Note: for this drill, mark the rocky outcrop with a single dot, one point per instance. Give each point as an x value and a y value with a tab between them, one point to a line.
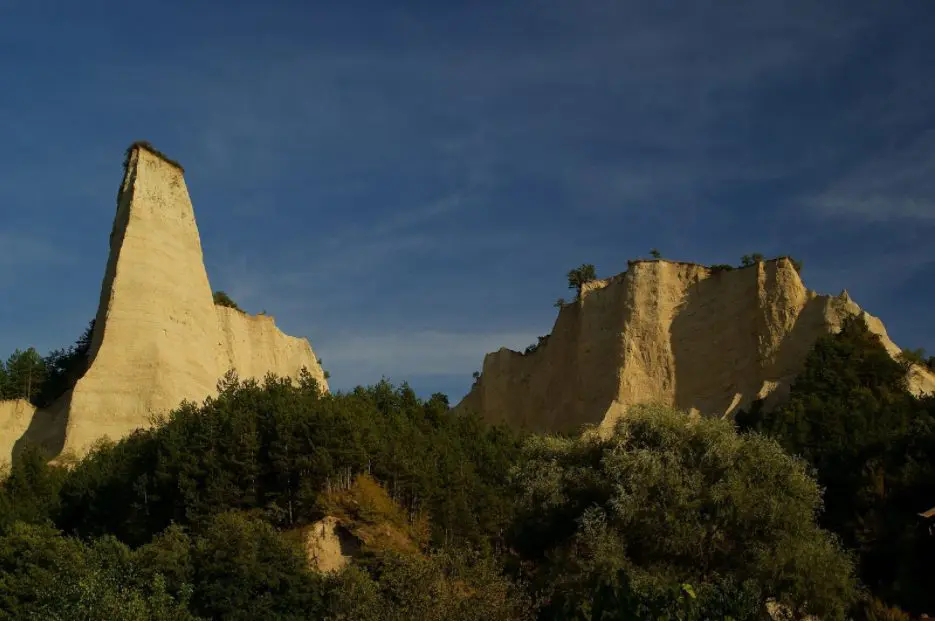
329	546
158	337
681	334
15	417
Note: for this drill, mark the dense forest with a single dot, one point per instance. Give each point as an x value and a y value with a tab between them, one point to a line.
812	509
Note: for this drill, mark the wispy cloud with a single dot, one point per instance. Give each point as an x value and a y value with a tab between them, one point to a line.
363	358
430	172
29	250
894	184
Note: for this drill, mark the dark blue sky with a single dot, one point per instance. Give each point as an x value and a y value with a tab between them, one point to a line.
407	183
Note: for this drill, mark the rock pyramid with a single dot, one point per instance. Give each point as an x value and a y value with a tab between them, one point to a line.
681	334
158	337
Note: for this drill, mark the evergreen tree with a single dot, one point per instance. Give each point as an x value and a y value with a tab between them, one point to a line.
580	275
25	374
872	445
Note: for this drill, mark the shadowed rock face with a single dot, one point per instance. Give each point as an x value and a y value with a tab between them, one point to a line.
158	337
673	333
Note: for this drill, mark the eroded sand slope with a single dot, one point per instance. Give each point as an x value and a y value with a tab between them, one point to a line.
159	339
667	332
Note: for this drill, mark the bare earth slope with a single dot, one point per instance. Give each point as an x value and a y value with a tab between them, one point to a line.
159	339
675	333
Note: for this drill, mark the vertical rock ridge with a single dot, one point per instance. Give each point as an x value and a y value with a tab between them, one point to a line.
158	337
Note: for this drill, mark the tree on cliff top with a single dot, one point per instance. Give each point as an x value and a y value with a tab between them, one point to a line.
23	376
222	299
580	275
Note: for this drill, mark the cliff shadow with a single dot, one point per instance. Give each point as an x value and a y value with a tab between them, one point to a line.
714	341
810	325
47	428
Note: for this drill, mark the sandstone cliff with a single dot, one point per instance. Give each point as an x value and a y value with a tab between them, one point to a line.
158	338
674	333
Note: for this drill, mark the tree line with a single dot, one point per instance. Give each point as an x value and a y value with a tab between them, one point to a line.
813	507
871	445
41	379
190	519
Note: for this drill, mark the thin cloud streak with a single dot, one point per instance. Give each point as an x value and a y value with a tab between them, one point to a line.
899	183
363	358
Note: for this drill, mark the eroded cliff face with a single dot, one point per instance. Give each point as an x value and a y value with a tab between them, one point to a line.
674	333
159	339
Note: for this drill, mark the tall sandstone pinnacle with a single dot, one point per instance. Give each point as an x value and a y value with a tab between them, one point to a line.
158	337
681	334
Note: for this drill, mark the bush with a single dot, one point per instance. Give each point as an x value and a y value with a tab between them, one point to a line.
222	299
581	275
665	501
872	445
915	356
46	576
453	585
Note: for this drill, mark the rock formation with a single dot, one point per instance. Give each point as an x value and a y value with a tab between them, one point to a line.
329	547
158	338
681	334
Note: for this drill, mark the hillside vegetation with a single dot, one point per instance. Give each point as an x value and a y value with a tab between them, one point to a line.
812	507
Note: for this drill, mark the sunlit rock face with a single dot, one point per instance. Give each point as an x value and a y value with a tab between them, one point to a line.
703	340
158	338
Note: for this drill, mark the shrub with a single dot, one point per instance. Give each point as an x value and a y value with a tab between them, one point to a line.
582	274
222	299
914	356
665	501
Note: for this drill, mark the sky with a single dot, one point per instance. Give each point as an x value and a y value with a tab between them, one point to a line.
407	183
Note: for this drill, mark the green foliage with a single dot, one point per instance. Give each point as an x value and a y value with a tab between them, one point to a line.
243	569
535	346
669	517
24	373
917	356
721	267
222	299
455	585
749	260
654	253
27	375
46	576
64	367
559	303
666	501
580	275
274	448
29	492
875	610
872	445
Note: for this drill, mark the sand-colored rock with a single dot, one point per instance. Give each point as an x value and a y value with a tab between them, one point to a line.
15	417
328	545
159	339
680	334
